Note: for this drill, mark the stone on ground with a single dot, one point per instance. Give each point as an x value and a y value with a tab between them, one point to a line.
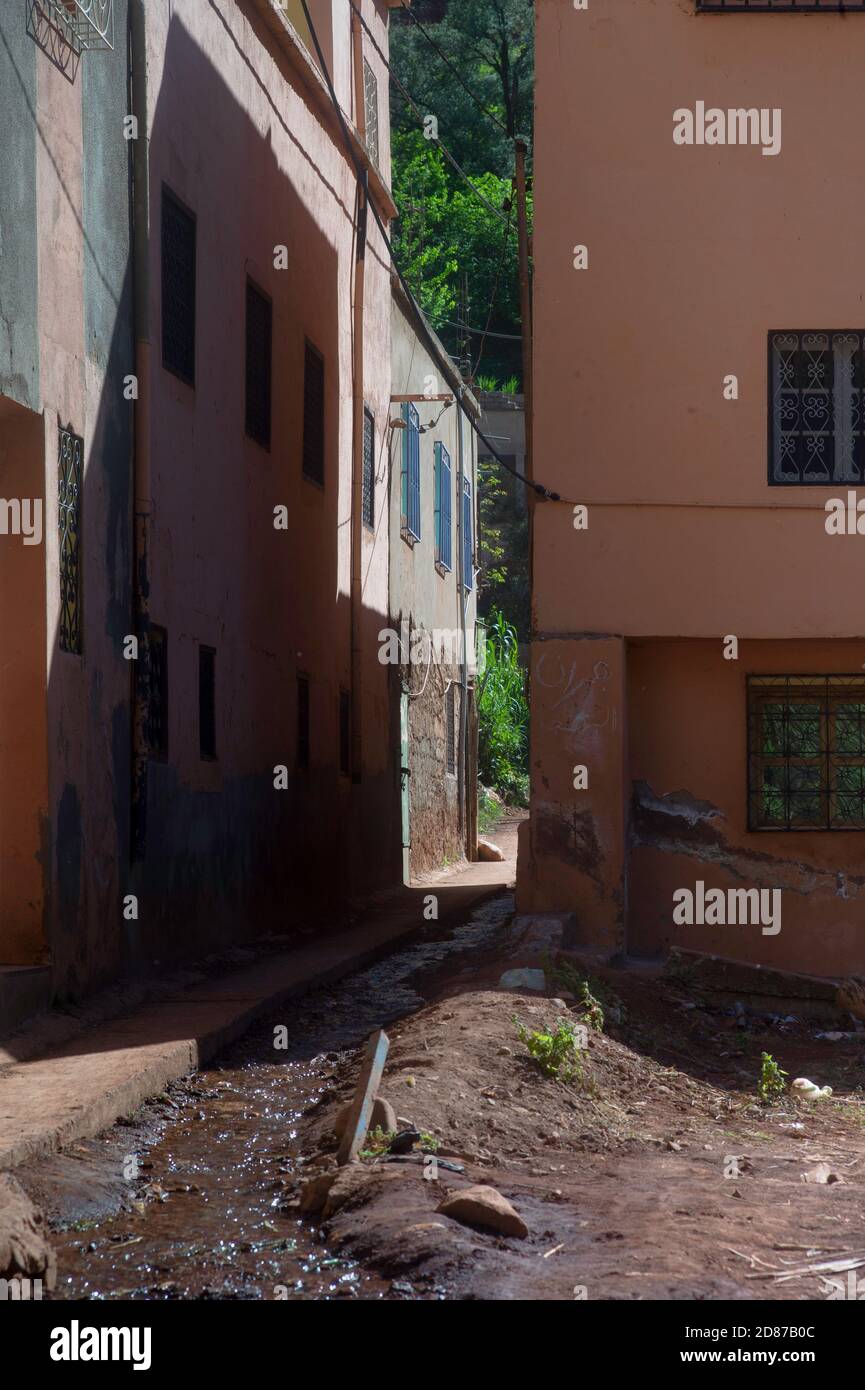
484	1206
24	1248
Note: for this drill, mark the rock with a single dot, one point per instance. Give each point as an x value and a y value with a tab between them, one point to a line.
383	1117
822	1174
808	1091
314	1193
488	852
483	1206
24	1249
523	979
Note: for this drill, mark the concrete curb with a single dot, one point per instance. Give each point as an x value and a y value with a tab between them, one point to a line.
76	1090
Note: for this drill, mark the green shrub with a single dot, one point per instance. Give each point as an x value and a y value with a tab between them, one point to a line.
772	1085
555	1052
503	715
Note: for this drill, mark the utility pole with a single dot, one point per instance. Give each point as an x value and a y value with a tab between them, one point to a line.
521	149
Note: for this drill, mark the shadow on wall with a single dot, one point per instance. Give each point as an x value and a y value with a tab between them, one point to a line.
225	856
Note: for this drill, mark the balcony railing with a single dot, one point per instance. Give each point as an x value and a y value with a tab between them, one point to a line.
781	6
84	24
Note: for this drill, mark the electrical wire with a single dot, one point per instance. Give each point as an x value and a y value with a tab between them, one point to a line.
455	70
420	322
409	100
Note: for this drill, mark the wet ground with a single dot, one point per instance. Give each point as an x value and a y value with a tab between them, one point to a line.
187	1199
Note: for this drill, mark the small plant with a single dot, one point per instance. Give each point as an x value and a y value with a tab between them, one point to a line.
772	1085
378	1140
428	1144
592	1010
556	1052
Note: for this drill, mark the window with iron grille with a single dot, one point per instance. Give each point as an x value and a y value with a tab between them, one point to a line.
207	702
69	466
780	6
370	94
410	473
303	722
450	729
157	692
443	528
344	733
468	547
313	415
368	469
816	424
178	288
806	753
259	349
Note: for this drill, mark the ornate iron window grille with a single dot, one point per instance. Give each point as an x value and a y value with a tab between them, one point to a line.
780	6
806	752
816	407
370	96
368	469
69	474
259	352
86	25
313	415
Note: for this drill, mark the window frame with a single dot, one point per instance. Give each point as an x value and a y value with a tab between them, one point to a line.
254	291
832	334
443	472
811	689
410	486
211	754
371	101
70	563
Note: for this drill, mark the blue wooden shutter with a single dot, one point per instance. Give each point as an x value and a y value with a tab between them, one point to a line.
468	578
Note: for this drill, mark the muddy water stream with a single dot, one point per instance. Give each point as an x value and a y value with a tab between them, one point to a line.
201	1175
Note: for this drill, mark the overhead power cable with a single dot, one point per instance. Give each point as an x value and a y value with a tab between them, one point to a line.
455	70
409	100
423	328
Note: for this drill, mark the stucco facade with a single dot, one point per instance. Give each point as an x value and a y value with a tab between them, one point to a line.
186	769
433	600
667	276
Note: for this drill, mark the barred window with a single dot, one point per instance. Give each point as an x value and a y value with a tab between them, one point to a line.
806	753
410	473
443	527
781	6
69	465
368	469
157	692
370	95
344	733
450	729
817	431
313	415
207	702
303	722
259	347
178	288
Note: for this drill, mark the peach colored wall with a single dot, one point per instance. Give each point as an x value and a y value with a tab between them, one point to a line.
694	255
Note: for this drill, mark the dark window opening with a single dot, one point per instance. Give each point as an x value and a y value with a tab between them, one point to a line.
178	288
207	702
313	415
368	469
816	407
806	753
69	478
259	353
303	722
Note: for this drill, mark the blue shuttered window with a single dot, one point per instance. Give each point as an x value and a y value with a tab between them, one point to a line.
411	471
443	506
468	577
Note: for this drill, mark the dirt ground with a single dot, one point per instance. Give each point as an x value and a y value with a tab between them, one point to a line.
621	1180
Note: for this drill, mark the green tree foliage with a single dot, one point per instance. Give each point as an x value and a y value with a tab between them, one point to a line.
503	540
503	715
